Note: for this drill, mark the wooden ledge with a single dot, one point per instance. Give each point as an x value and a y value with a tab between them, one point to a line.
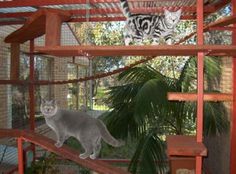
35	25
176	96
133	50
64	151
182	145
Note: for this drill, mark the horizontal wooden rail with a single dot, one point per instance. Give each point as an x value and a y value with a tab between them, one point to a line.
137	50
64	151
193	96
182	145
219	23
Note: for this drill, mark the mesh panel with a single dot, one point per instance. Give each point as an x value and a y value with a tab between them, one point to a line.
14	109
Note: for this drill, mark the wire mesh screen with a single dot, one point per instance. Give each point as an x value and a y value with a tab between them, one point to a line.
15	103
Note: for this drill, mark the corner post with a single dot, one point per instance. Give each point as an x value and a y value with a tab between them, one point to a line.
233	114
200	82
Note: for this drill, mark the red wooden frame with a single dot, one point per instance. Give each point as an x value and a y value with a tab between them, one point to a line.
174	96
190	10
200	82
233	115
64	151
198	50
146	50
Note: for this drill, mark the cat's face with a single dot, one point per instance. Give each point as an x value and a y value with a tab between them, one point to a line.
48	108
172	18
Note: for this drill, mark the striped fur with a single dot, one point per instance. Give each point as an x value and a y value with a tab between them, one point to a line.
144	26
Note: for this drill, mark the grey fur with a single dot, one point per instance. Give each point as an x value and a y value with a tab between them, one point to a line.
86	129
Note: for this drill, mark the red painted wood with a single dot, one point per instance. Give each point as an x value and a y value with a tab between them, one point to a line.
36	3
222	22
15	61
200	82
182	145
53	29
146	50
233	115
35	25
64	151
105	11
223	28
219	23
20	22
193	97
20	156
32	88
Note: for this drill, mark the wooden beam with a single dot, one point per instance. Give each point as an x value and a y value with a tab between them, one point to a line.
233	106
36	3
112	10
182	145
15	61
64	151
219	23
20	156
222	22
146	50
35	25
53	30
176	96
200	82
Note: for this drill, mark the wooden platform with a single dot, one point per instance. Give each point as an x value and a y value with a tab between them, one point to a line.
64	151
181	145
175	96
146	50
43	21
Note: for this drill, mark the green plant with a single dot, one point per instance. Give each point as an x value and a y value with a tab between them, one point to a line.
44	165
140	108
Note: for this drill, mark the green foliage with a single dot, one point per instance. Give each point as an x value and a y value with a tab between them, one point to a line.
146	158
44	165
140	108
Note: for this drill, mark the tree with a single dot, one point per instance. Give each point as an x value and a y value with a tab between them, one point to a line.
103	33
140	109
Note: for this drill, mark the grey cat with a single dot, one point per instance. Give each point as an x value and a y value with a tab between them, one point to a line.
87	130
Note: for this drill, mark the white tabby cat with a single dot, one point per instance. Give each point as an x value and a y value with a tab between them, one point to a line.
87	130
145	26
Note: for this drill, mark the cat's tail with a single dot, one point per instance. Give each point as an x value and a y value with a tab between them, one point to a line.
125	8
107	137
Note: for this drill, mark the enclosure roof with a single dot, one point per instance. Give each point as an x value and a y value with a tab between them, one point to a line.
17	11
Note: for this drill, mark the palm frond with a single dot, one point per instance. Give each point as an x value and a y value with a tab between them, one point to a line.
151	98
215	118
139	74
149	155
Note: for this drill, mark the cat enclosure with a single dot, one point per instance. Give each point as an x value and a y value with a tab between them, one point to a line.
48	18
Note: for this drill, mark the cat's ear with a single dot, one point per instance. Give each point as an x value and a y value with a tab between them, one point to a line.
179	11
166	12
43	101
54	102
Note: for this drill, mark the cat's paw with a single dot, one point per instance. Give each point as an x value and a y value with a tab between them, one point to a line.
155	43
58	144
93	156
83	156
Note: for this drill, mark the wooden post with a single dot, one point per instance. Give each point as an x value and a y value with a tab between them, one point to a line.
200	82
233	115
53	29
20	156
31	93
32	88
15	61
